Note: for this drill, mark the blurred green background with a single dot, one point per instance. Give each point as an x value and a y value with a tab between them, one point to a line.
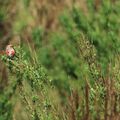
74	41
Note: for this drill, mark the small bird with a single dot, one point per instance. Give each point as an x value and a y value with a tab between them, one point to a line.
10	51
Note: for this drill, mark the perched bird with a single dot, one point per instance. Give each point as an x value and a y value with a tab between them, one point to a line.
10	51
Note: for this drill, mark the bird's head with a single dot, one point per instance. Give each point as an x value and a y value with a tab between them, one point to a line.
10	52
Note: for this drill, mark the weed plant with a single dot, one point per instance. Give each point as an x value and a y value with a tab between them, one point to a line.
70	74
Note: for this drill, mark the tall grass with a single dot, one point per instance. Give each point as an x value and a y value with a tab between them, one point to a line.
71	73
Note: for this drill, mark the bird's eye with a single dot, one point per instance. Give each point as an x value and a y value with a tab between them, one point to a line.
7	52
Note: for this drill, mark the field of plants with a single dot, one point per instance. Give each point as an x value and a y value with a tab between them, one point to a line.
66	64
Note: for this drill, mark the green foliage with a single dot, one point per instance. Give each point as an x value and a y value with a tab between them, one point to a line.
81	59
37	35
35	78
101	27
26	3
